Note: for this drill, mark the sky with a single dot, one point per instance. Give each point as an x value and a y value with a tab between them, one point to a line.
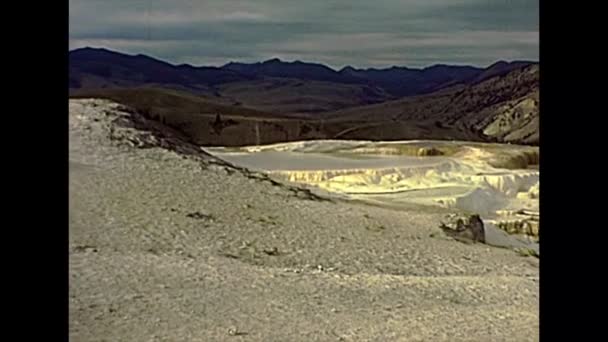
360	33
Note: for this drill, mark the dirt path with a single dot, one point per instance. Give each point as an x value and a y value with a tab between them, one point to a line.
167	247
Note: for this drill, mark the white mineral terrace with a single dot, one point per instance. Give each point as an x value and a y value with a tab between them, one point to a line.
498	182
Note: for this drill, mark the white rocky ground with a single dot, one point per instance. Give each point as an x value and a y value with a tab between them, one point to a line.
169	244
476	178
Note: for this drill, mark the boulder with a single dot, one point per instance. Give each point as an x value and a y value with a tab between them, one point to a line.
464	227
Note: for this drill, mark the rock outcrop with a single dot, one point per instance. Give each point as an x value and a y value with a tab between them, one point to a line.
521	222
464	227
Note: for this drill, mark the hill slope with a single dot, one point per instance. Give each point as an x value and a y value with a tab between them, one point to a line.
501	108
197	117
295	96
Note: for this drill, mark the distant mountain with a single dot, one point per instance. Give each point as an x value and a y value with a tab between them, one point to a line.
109	69
401	81
299	70
398	81
503	107
274	85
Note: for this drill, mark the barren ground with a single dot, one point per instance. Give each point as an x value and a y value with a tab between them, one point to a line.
172	247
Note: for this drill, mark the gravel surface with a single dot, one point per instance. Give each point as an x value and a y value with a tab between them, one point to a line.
180	246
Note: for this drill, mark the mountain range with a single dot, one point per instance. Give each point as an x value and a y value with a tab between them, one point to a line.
496	103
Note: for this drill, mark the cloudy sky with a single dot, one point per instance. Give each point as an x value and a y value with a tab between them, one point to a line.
361	33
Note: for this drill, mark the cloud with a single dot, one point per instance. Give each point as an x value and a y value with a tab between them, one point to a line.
356	32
